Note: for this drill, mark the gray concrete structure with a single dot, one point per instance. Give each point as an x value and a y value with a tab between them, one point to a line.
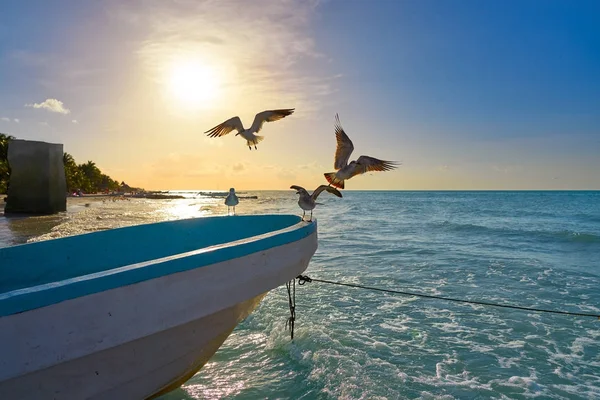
37	182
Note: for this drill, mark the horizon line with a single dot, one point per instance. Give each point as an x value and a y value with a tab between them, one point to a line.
387	190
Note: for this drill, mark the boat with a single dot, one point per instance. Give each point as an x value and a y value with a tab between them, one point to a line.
134	312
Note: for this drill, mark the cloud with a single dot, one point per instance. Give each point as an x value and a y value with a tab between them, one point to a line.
17	120
273	59
5	119
238	167
505	169
30	59
53	105
212	141
286	174
183	165
44	123
311	166
74	121
83	70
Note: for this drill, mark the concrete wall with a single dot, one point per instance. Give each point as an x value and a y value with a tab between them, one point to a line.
37	182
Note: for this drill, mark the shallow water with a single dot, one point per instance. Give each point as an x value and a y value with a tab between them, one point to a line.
534	249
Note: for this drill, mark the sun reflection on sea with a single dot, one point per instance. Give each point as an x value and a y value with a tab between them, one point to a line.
102	214
89	214
180	210
230	386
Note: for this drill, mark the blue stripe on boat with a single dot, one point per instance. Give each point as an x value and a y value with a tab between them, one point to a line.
39	274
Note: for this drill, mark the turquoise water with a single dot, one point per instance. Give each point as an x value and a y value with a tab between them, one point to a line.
534	249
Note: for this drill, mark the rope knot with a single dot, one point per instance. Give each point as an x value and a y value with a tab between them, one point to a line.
302	279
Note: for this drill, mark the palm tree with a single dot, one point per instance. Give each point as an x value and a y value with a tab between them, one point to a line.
86	177
107	183
4	167
91	177
68	159
4	138
72	175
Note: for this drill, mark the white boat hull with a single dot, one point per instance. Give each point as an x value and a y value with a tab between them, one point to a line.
140	340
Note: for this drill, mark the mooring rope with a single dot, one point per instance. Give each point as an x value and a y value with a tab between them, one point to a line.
291	289
302	279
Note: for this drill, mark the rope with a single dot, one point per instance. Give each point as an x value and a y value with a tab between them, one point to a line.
291	289
302	279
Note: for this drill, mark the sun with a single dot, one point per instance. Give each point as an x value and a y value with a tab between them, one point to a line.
193	84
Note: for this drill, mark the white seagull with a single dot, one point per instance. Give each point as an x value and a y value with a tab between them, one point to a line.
249	134
308	202
231	200
345	170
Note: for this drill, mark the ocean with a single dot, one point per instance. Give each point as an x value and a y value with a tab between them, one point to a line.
531	249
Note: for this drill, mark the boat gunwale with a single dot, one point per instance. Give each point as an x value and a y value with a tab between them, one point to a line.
32	297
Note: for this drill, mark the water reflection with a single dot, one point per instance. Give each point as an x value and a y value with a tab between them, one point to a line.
18	229
89	214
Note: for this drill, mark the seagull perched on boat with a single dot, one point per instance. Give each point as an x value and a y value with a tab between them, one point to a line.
308	202
231	200
249	134
347	170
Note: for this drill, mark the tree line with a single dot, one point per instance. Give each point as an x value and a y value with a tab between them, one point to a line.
86	177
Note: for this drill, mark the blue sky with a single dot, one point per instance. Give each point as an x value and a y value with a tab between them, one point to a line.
466	94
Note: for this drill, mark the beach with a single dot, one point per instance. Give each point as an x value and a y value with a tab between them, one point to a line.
533	249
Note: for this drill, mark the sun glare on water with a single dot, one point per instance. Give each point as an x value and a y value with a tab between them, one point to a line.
193	84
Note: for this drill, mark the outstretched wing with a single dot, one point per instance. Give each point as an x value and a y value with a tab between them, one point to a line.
368	164
344	146
226	127
269	116
330	189
299	189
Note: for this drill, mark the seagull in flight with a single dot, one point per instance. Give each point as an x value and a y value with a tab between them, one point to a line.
308	202
249	134
345	170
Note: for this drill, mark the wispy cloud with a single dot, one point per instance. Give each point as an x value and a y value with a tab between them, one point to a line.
17	120
286	174
262	49
238	167
6	119
74	121
212	142
312	165
53	105
83	70
30	59
181	165
505	169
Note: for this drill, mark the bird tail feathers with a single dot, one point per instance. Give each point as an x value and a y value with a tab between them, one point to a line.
255	140
330	176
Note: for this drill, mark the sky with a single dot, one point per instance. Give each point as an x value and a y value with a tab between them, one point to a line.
467	95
